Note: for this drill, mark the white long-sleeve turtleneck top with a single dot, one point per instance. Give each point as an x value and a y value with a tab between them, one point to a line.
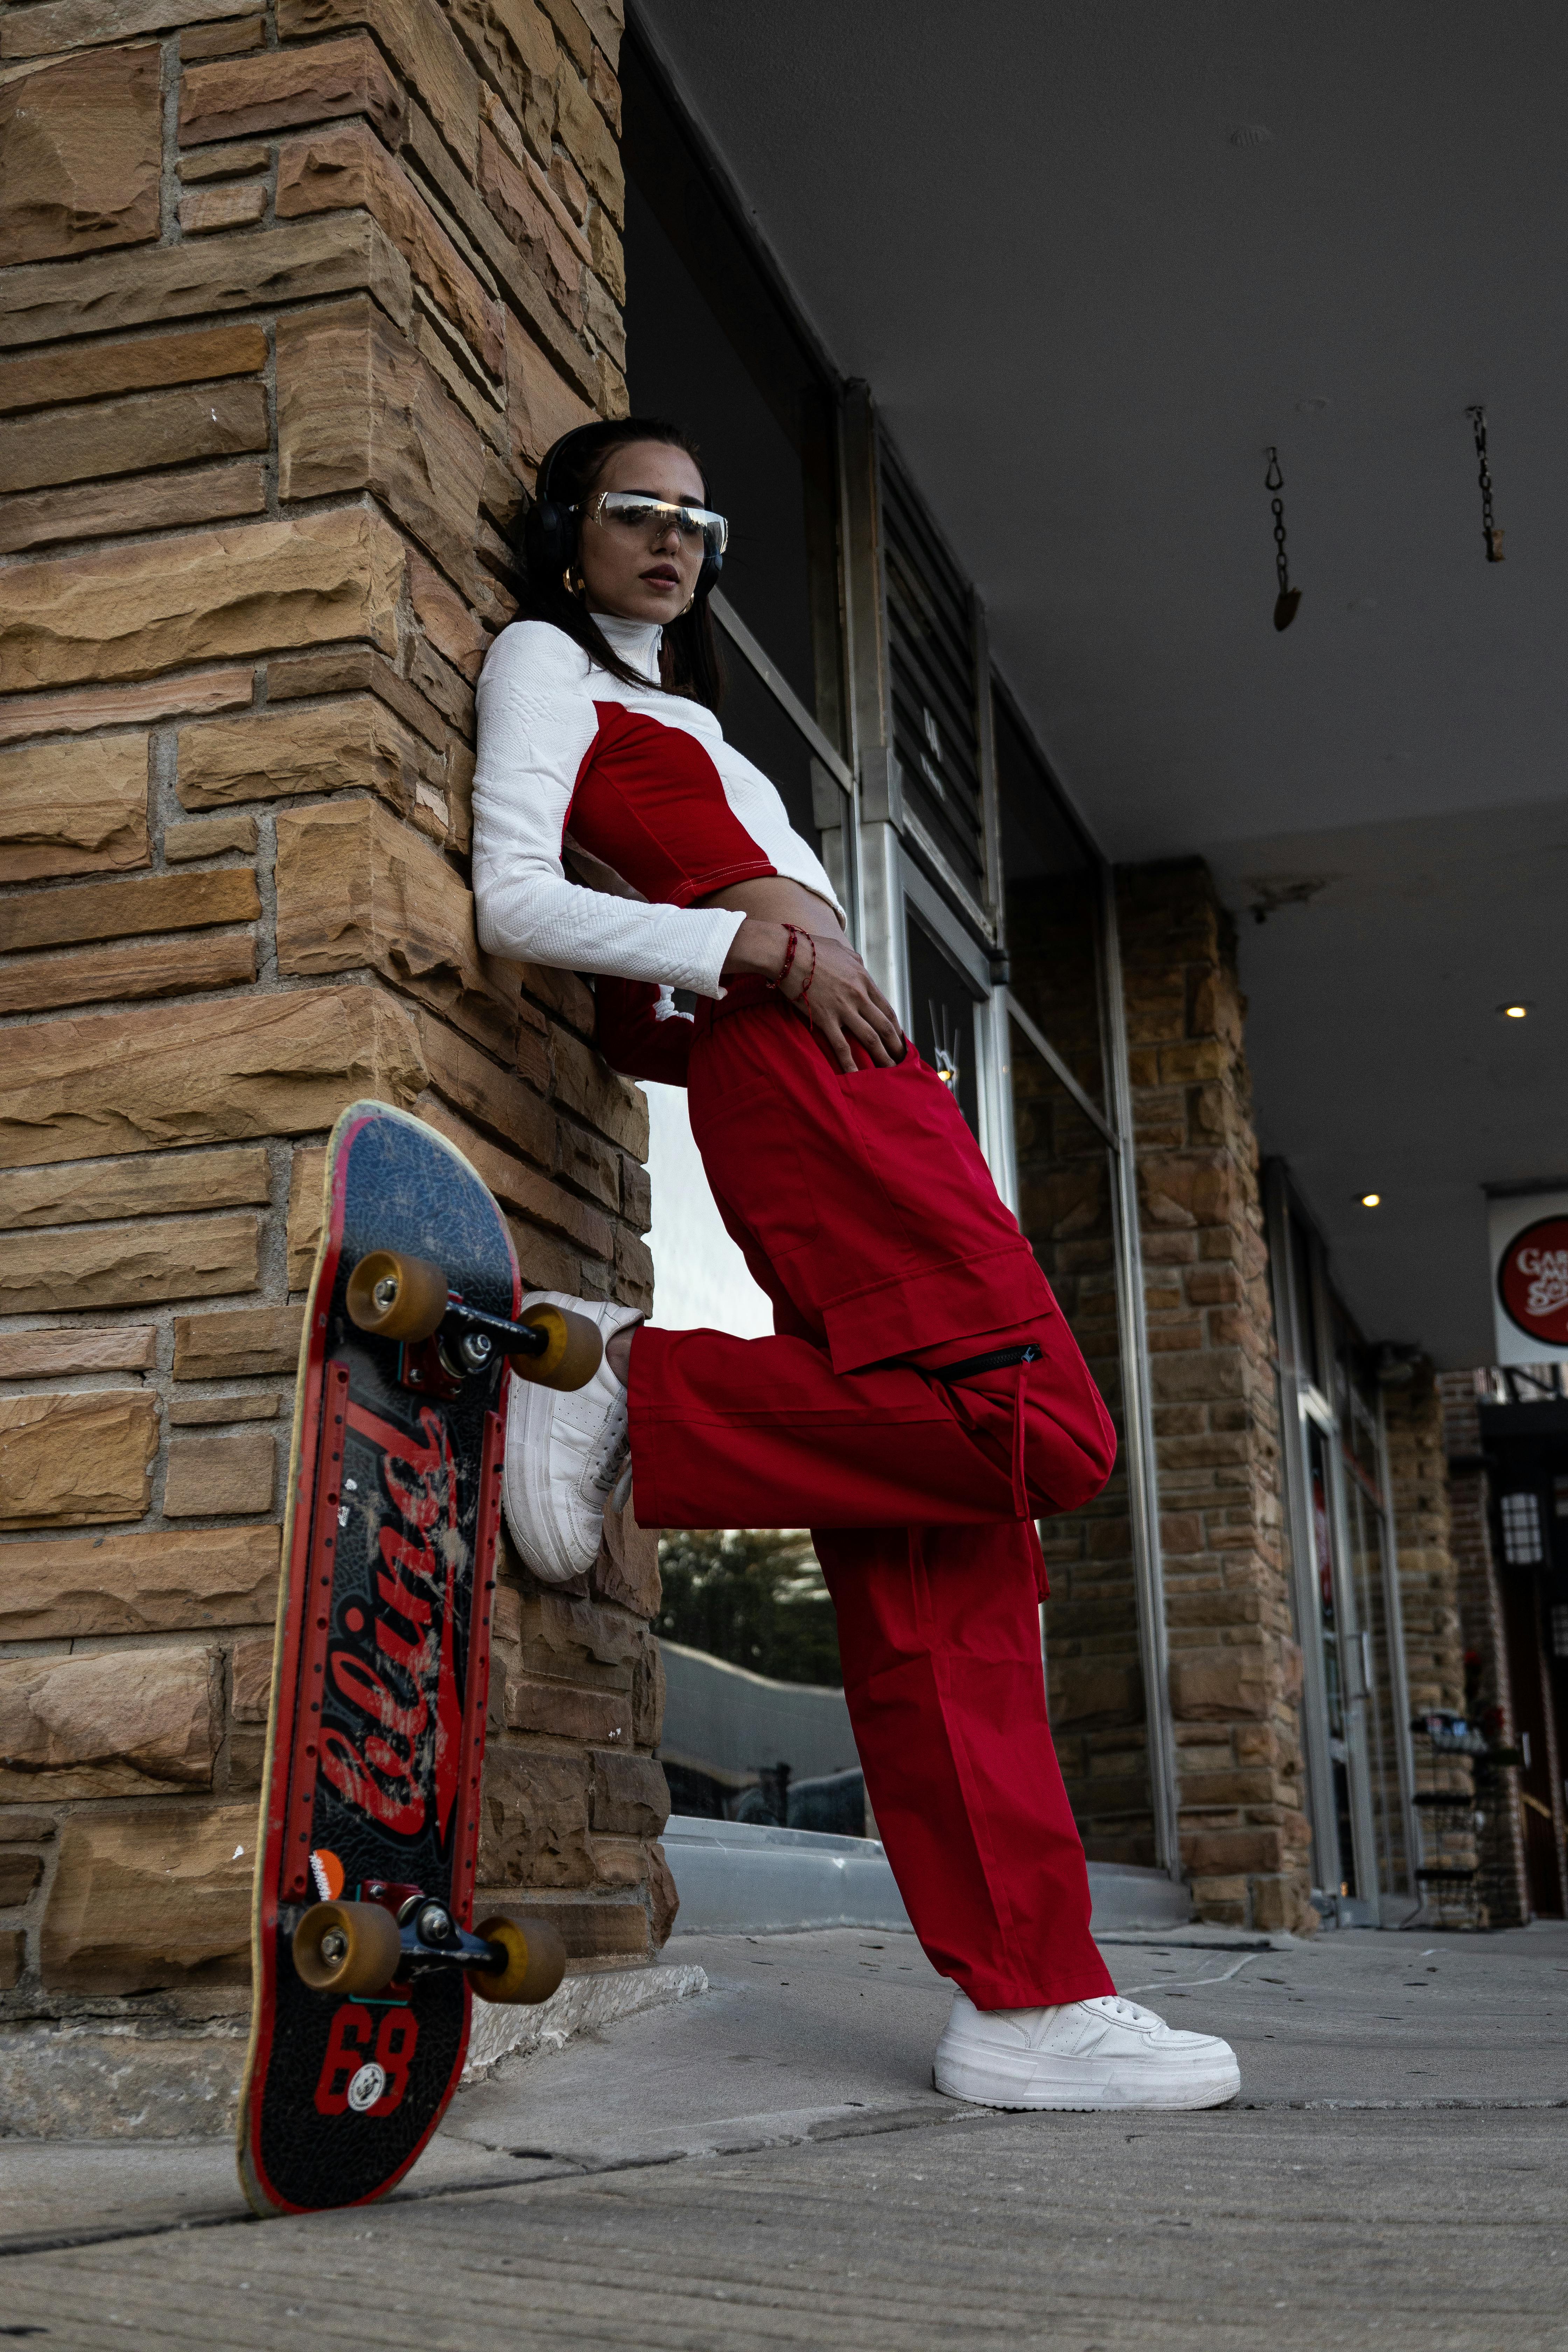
649	786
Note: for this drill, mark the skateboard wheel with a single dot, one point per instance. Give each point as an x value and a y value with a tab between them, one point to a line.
396	1298
536	1960
574	1354
347	1948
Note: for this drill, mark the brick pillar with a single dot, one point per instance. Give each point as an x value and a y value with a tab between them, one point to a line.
1489	1695
290	302
1429	1596
1236	1669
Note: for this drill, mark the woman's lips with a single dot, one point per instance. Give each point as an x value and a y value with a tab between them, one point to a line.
662	576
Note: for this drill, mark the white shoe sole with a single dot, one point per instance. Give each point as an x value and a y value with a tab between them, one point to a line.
996	2079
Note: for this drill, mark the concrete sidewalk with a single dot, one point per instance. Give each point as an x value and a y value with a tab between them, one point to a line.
768	2165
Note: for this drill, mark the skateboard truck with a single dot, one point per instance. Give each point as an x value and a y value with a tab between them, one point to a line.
444	1341
361	1947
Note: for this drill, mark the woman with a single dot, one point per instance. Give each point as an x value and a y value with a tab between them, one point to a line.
922	1400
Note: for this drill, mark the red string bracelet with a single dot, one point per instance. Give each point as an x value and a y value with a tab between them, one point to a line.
806	991
783	970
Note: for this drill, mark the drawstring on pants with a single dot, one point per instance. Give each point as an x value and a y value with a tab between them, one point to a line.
1002	1359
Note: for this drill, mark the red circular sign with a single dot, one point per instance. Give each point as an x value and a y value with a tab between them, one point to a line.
1533	1281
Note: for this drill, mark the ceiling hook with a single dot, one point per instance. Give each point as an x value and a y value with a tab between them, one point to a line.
1273	479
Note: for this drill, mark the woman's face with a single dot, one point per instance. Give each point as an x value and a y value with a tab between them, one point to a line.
647	574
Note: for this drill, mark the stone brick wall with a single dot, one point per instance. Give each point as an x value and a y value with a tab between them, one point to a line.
1235	1674
1429	1602
291	299
1094	1671
1489	1696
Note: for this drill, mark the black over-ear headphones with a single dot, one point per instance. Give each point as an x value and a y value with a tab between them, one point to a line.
550	530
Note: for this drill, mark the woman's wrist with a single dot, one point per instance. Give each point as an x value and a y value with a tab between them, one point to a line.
757	947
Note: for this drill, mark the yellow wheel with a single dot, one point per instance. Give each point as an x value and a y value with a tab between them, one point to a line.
396	1298
573	1355
347	1948
535	1964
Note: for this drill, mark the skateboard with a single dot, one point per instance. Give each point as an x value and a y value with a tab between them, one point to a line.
362	1952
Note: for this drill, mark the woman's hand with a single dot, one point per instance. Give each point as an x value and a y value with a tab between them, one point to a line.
846	1002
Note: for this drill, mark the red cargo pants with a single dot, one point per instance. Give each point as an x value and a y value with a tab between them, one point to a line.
865	1211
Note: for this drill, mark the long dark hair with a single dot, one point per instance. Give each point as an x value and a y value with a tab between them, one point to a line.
691	661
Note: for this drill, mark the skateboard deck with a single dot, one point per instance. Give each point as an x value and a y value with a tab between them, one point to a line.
362	1952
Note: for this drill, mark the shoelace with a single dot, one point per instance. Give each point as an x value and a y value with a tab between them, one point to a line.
608	1458
1126	2013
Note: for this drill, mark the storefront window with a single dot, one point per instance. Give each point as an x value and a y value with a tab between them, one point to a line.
1067	1206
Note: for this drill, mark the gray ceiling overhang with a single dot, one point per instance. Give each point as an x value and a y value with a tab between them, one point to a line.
1092	259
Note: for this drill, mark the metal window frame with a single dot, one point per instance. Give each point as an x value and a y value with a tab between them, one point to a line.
1143	1468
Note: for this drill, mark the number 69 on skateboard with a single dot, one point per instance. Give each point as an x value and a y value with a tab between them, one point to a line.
365	1959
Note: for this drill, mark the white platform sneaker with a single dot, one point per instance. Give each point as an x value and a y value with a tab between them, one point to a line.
566	1450
1105	2052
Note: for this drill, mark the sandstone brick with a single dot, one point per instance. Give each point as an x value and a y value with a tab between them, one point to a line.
209	1477
87	707
587	139
13	1957
647	1693
357	887
140	1582
664	1901
348	166
533	1818
153	502
499	1100
71	1459
618	1861
199	596
19	1874
130	1264
250	1678
1218	1684
248	1404
73	808
357	409
538	224
426	50
358	669
108	910
85	24
139	363
517	46
617	1107
356	742
140	1187
565	1711
446	619
227	1344
209	838
611	1928
52	1354
478	224
227	161
151	1897
82	139
626	1571
286	85
298	261
238	205
212	1072
103	975
539	404
88	1726
631	1798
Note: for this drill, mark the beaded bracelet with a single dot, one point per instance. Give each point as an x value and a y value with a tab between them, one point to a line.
783	970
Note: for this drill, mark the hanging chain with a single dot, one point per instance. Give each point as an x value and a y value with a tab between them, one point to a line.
1285	604
1490	530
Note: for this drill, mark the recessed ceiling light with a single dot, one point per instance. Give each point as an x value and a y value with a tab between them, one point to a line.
1370	1200
1513	1011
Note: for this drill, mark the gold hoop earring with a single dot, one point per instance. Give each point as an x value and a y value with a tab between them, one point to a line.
573	586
